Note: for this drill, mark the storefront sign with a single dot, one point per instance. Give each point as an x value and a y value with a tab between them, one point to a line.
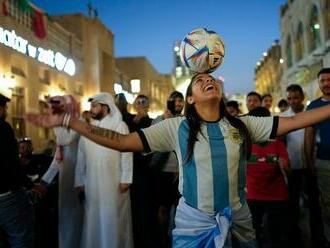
47	56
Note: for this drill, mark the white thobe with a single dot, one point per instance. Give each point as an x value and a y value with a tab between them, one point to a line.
70	211
107	221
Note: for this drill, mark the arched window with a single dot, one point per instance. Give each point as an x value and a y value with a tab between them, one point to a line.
314	36
288	52
327	18
299	42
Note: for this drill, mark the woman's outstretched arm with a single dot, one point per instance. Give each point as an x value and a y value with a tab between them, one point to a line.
105	137
303	119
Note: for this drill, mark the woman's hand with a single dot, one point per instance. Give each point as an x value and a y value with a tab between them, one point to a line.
46	120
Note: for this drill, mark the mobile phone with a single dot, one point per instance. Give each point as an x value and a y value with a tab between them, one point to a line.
171	106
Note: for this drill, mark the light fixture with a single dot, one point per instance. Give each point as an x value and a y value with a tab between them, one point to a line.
118	88
135	85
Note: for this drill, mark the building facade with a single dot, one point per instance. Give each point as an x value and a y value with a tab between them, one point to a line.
181	72
268	73
71	54
151	83
98	67
305	43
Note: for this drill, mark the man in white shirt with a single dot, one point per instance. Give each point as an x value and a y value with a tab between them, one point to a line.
301	179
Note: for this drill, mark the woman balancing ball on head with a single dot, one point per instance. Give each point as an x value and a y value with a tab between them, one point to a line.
212	148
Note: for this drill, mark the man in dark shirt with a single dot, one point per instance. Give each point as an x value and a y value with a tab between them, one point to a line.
317	144
16	216
144	207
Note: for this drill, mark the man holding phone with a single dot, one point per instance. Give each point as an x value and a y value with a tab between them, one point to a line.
144	211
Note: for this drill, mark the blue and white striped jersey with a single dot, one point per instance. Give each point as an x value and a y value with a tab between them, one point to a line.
215	176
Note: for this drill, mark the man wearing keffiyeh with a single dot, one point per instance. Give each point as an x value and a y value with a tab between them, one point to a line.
70	210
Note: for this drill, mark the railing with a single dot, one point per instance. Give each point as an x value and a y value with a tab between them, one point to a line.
57	36
21	17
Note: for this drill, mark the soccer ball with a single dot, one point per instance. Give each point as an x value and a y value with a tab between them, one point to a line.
202	51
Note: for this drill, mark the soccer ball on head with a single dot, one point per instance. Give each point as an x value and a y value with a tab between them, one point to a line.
202	50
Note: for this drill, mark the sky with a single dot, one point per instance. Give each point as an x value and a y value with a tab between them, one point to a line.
150	27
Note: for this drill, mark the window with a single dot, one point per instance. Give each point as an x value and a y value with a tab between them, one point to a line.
17	110
23	17
79	89
17	71
44	132
327	18
299	43
314	36
288	52
44	76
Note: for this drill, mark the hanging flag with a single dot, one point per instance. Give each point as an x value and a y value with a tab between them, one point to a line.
24	6
5	11
38	24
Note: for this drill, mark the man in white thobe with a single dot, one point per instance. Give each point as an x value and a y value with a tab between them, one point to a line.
70	211
106	175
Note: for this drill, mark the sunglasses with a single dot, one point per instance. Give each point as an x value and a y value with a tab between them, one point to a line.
142	101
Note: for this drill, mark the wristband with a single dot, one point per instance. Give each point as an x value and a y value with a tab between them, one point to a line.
66	120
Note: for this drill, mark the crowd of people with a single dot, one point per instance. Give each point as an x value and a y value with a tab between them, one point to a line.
208	177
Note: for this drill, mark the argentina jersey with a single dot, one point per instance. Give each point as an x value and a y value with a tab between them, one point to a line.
214	177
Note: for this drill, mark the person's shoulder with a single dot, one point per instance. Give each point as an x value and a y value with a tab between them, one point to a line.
244	116
5	126
178	119
159	118
315	103
174	121
122	127
286	113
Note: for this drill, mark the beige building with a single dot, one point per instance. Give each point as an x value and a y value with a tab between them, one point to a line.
98	67
180	71
151	83
75	57
305	43
268	73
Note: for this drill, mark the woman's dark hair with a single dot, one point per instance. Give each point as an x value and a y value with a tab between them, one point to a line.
195	121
